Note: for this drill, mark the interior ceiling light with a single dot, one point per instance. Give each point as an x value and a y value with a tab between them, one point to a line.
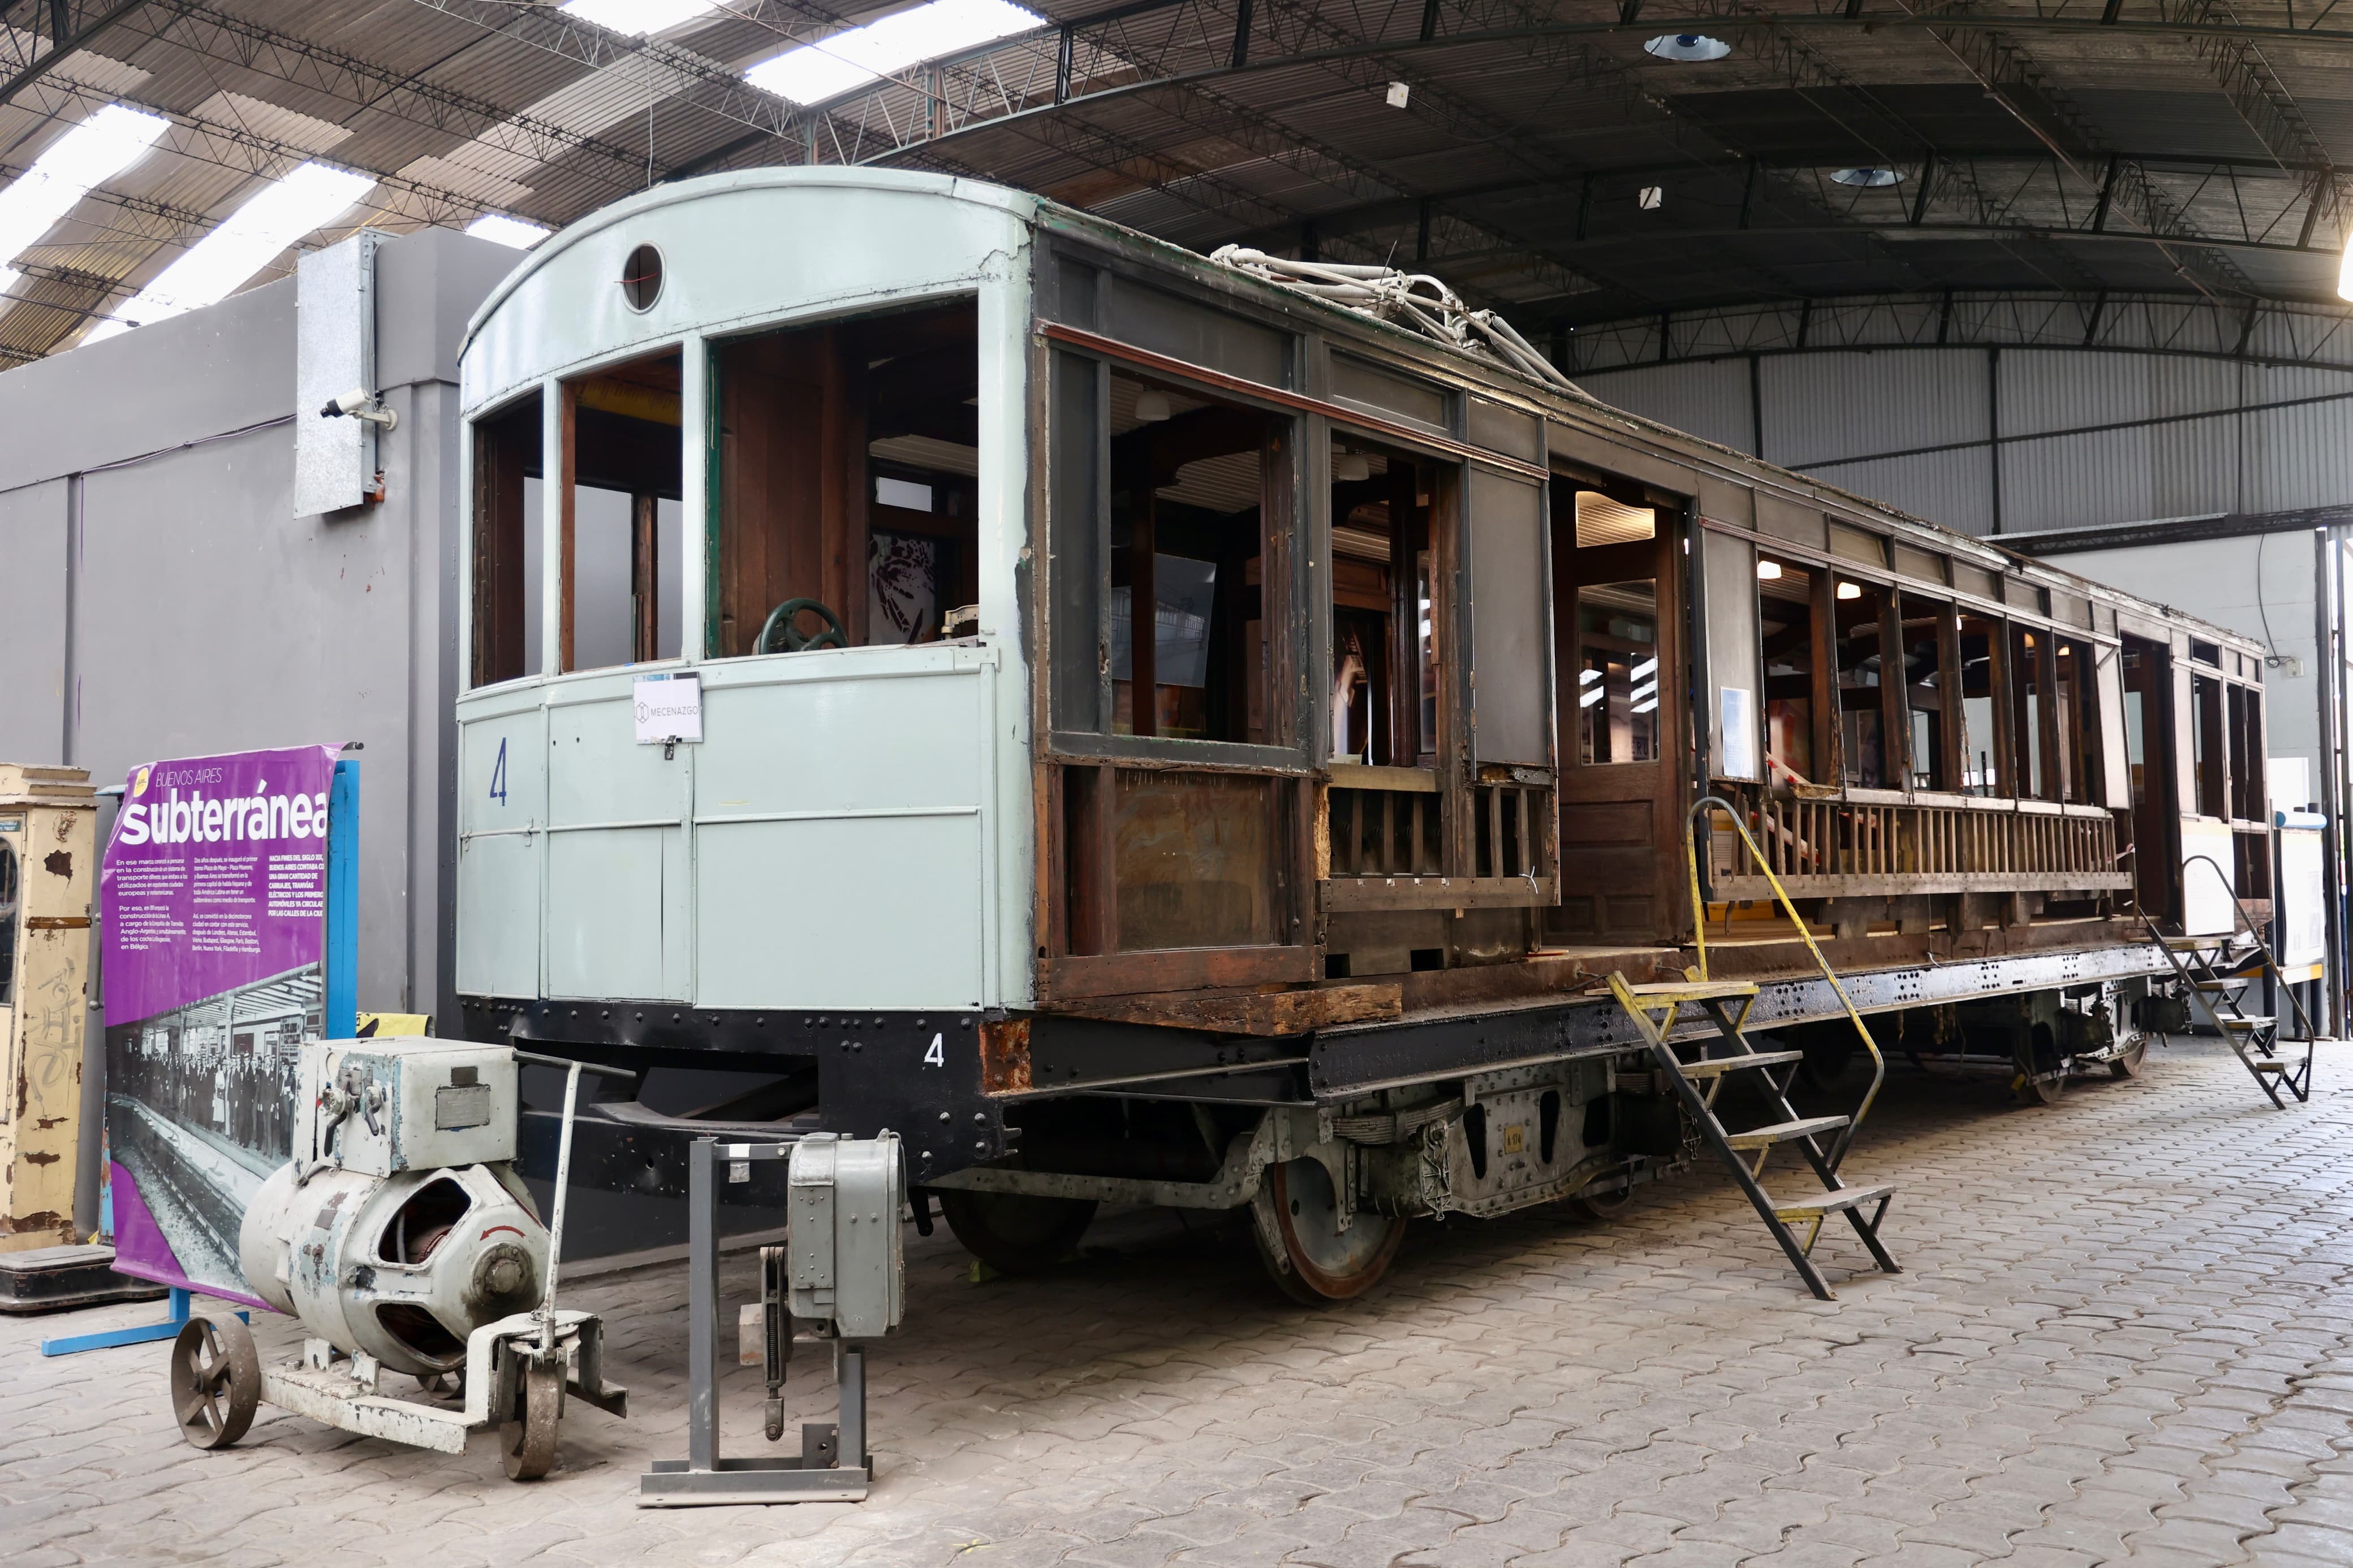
1648	197
269	221
836	65
1151	407
90	155
1768	571
1870	178
1687	47
1400	94
635	18
2345	272
505	230
1849	590
1351	467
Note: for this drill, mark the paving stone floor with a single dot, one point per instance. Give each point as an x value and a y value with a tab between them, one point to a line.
2123	1337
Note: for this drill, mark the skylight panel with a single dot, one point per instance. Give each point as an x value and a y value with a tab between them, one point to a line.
89	155
505	230
634	18
272	219
818	71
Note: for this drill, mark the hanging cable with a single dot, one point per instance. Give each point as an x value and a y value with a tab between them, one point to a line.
1415	300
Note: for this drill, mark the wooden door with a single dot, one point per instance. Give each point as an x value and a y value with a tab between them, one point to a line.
1623	729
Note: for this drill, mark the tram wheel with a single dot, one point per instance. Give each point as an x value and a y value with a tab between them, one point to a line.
1326	1265
2041	1077
1598	1206
2134	1062
1015	1233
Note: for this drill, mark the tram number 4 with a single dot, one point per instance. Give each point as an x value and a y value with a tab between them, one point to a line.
936	1056
499	775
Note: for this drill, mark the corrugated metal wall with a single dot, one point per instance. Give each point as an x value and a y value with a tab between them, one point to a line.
2085	437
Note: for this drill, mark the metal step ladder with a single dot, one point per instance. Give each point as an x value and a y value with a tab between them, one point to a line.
2215	972
1699	1079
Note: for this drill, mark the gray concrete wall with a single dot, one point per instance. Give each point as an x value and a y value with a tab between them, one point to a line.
159	598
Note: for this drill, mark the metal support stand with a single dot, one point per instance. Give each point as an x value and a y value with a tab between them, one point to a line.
820	1473
145	1333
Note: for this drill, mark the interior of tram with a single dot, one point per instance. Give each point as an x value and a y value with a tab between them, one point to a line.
847	457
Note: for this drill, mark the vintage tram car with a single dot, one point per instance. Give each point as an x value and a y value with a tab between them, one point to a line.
808	728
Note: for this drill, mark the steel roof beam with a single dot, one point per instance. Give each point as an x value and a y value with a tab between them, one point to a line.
27	54
2116	321
209	33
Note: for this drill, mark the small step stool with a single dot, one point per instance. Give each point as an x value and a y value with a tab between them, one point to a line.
1697	1083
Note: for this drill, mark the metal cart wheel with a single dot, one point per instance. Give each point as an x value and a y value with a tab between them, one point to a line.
1015	1233
527	1440
2134	1062
215	1378
1327	1264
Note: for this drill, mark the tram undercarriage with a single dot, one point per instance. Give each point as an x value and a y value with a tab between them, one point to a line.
1328	1142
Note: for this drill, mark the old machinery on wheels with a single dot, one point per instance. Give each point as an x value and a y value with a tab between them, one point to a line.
401	1239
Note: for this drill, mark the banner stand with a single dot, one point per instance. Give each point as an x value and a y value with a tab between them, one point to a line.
342	1022
145	1333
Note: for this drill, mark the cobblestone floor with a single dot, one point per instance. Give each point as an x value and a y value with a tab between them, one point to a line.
2123	1337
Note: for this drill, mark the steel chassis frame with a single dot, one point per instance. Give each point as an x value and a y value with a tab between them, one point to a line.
871	1075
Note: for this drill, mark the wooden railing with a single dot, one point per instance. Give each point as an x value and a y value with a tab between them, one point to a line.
1388	843
1872	843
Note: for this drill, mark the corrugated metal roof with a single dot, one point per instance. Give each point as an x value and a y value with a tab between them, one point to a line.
1513	169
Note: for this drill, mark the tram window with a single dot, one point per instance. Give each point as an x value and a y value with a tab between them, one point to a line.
506	542
1192	481
620	532
2210	761
2029	687
848	465
1981	683
1383	688
1924	689
2248	802
1618	673
1784	610
2140	715
1857	622
2076	686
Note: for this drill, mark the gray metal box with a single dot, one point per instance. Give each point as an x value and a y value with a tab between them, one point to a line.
408	1104
843	1198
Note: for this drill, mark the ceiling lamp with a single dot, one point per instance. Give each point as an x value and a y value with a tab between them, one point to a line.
1768	571
1151	407
1689	46
1351	467
1873	179
1849	590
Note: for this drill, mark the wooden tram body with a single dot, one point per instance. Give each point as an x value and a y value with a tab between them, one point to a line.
1323	874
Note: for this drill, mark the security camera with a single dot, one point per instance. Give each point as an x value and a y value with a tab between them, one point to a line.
361	404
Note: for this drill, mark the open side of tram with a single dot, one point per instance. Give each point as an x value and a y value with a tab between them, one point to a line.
813	733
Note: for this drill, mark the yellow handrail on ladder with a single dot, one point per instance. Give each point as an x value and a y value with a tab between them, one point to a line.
1699	929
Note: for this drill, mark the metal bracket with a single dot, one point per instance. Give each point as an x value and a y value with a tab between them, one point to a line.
819	1473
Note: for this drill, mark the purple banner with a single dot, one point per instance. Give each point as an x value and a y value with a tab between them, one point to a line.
214	898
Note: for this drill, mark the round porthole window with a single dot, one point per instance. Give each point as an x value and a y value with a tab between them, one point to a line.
641	278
